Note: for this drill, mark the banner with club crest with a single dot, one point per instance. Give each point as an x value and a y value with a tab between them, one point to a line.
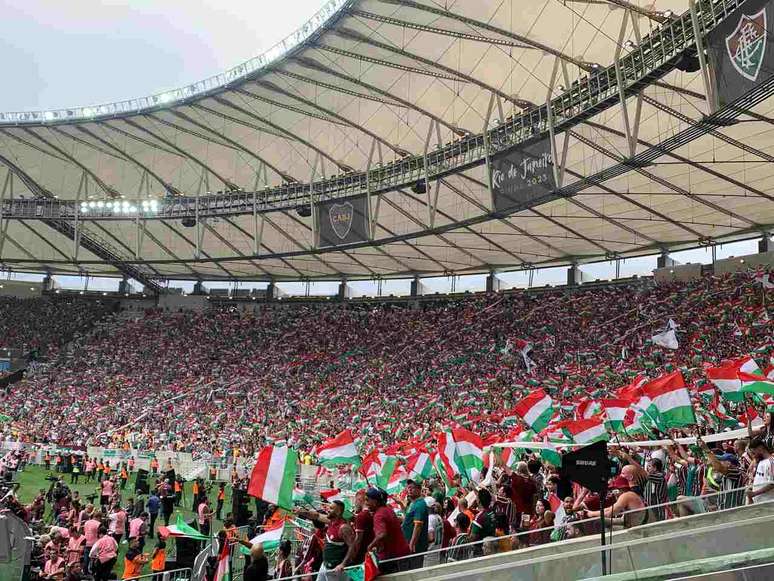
522	176
341	222
741	50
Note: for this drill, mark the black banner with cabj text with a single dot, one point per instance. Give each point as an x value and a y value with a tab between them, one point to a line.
522	175
341	222
741	50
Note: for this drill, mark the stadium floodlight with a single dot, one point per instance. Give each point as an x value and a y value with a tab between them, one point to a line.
154	205
92	204
100	204
133	209
84	207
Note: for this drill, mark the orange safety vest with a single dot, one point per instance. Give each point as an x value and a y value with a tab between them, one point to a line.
178	488
195	488
124	475
159	561
132	568
221	494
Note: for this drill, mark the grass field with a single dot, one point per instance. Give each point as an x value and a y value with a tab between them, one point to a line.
33	478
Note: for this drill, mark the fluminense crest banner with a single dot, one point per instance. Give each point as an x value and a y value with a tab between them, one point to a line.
342	221
741	51
522	176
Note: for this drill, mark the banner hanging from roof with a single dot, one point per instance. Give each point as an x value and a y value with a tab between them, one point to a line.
341	222
741	50
522	175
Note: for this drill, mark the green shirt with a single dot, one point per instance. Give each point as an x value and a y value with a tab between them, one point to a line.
417	512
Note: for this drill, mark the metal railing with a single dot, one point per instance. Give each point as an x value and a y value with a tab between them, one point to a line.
655	56
209	85
683	506
185	574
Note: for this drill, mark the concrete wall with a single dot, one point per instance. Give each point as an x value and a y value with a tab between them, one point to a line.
21	289
678	272
701	536
744	262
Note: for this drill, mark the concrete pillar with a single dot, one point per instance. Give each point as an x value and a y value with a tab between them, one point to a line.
417	288
271	291
492	283
48	284
766	244
199	289
343	291
665	261
125	288
575	275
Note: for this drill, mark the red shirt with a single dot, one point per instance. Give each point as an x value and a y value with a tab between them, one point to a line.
394	544
523	494
364	524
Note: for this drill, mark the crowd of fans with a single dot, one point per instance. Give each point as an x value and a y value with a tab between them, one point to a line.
41	323
225	382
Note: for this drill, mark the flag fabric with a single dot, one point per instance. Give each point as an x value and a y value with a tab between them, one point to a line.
274	476
524	348
615	411
536	410
419	467
587	409
302	497
339	450
756	383
223	571
764	279
182	529
671	399
551	455
270	538
388	466
668	337
587	431
366	571
461	452
726	379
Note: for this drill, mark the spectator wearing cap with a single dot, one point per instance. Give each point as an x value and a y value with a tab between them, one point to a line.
629	507
416	522
727	476
388	542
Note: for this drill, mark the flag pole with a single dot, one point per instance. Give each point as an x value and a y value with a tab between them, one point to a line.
602	498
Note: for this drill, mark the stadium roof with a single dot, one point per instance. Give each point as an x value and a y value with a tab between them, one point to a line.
374	95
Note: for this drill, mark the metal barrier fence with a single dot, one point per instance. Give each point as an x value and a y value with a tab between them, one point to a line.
683	506
173	575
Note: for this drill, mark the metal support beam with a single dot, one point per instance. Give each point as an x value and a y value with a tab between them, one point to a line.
7	190
373	208
698	33
432	191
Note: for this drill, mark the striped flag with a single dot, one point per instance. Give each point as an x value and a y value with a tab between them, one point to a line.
615	410
756	383
270	538
419	466
536	410
339	450
461	452
726	378
587	431
182	529
223	572
671	399
274	476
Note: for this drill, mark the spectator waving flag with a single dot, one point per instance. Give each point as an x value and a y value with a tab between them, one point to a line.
587	431
668	337
274	476
536	410
765	280
339	450
671	400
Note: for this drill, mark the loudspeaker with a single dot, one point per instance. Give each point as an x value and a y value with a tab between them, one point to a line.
187	549
141	484
239	502
589	466
188	222
304	211
420	187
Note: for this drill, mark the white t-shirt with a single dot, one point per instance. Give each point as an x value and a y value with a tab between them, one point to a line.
764	474
436	524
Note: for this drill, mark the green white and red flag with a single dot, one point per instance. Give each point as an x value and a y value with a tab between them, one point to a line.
274	476
615	412
671	399
339	450
587	431
536	410
223	571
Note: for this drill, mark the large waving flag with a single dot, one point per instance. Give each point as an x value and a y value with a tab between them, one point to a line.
587	431
726	379
536	410
274	476
671	399
419	466
339	450
615	410
461	452
270	538
756	383
223	572
182	529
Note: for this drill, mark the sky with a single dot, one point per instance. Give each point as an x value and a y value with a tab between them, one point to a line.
67	53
